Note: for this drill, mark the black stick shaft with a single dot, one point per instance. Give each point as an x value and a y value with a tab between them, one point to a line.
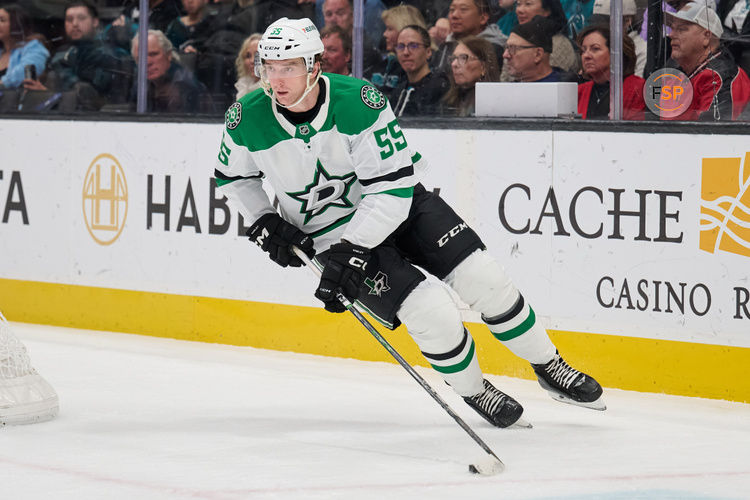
393	352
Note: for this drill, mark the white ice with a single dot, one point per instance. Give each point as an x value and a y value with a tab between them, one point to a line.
148	418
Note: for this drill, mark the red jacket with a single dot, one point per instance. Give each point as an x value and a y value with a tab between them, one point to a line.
719	76
633	105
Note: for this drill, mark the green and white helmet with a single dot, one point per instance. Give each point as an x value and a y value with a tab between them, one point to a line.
289	39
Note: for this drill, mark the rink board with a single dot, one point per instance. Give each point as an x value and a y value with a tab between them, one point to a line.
633	248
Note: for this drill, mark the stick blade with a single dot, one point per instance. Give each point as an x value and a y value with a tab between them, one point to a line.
487	466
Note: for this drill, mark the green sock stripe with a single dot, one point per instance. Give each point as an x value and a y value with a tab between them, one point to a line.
519	330
458	366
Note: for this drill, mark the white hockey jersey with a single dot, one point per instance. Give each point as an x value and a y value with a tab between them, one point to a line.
348	173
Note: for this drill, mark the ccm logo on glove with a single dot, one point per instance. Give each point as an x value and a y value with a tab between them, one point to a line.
357	262
276	236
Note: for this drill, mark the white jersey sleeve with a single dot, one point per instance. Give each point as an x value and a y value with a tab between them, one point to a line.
385	168
240	180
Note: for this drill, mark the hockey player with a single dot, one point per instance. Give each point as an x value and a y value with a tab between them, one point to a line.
349	194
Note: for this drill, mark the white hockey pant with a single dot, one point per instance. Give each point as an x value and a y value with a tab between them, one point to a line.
485	287
434	322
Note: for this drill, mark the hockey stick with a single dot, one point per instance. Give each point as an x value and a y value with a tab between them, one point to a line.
486	466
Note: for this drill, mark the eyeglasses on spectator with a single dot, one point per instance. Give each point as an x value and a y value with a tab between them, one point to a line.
462	59
412	46
512	49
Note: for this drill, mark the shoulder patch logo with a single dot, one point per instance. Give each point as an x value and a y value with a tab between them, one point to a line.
233	116
372	97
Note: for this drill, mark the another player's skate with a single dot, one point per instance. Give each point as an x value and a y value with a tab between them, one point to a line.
568	385
496	407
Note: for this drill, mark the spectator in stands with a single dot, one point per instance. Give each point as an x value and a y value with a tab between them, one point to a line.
171	87
421	92
19	47
124	28
601	16
337	50
564	54
576	12
185	32
97	72
431	10
666	7
338	13
231	21
734	18
341	13
593	95
721	89
472	61
527	53
387	74
508	19
469	18
439	31
245	66
253	16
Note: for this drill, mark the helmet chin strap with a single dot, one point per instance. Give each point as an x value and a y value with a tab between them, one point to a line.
309	86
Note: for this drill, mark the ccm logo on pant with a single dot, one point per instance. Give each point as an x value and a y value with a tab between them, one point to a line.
450	234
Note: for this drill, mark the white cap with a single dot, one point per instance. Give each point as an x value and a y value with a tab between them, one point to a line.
700	14
290	39
601	7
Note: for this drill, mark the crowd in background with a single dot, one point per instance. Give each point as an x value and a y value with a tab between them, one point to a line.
426	55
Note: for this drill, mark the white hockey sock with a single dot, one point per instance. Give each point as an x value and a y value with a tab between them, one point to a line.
483	284
434	322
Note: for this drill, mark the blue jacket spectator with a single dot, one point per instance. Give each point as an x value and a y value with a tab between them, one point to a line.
33	53
18	48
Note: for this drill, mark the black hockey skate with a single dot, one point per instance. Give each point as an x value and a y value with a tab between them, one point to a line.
496	407
568	385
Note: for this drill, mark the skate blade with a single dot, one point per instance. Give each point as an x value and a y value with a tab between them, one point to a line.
593	405
522	423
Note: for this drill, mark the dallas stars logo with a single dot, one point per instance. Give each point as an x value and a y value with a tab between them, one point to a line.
323	192
378	285
372	97
233	116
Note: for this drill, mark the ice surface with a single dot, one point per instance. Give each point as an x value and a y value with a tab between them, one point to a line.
147	418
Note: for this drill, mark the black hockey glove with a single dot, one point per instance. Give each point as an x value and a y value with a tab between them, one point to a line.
276	236
344	271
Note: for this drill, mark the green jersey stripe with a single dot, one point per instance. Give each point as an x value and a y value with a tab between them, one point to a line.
222	180
332	226
398	192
